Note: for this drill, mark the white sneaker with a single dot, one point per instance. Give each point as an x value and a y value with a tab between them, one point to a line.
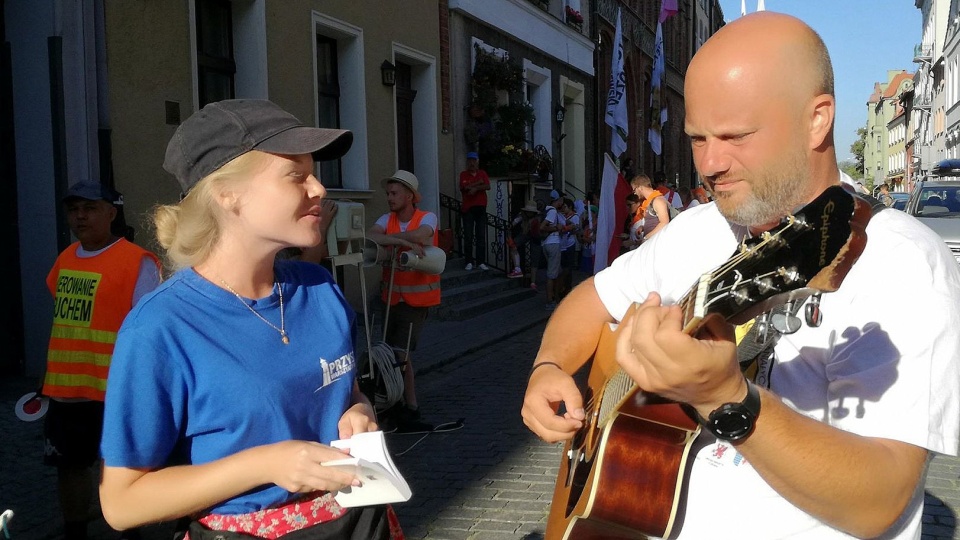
468	267
484	267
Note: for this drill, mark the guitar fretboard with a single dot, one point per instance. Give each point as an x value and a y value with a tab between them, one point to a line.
694	305
621	386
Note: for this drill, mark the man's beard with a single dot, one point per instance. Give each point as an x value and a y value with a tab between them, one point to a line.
771	197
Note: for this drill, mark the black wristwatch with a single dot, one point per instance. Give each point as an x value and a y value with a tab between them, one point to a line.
734	421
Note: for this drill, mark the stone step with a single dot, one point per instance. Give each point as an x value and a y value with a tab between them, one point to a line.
465	292
487	302
456	276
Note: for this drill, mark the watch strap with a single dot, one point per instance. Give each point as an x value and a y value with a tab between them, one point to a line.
748	410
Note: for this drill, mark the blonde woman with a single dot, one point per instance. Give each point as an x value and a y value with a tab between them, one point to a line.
231	379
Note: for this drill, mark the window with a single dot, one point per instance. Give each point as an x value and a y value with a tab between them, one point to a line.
216	67
328	104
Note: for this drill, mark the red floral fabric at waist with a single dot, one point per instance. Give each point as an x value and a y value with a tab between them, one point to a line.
272	523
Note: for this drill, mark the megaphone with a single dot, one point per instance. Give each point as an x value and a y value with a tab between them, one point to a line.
374	254
434	260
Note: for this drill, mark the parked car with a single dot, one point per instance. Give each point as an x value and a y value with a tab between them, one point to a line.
899	199
936	203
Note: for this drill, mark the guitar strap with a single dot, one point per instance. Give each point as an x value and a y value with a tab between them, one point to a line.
755	349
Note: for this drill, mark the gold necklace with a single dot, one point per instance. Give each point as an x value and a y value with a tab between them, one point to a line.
282	330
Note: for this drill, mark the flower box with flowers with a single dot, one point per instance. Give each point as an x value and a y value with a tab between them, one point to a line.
519	159
574	18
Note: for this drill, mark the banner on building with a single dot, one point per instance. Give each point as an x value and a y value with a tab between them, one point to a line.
658	107
616	114
669	8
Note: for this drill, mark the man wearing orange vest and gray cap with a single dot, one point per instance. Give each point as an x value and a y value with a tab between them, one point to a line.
407	228
95	282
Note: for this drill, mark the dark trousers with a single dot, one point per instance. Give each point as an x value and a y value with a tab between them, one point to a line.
402	316
475	230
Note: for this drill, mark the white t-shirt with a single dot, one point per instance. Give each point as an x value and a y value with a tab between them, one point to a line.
148	278
569	239
876	366
673	198
553	217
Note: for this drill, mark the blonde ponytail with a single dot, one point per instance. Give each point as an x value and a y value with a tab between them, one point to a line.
190	230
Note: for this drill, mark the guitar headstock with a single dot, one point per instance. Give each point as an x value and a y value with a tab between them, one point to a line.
810	251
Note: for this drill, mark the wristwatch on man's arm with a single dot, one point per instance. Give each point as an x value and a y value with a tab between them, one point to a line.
734	422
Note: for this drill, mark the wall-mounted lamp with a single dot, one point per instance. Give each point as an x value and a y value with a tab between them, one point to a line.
560	112
388	73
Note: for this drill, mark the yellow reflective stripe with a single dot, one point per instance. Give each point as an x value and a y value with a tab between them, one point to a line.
86	334
75	380
85	357
427	287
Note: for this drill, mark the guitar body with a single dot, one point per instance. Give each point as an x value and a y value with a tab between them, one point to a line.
623	474
638	455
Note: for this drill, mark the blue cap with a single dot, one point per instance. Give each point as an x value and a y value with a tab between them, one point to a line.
93	191
472	155
554	195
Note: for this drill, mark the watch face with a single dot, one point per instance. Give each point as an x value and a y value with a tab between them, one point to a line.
735	421
731	425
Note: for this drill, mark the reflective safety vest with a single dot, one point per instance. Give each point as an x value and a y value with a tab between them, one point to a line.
92	295
415	288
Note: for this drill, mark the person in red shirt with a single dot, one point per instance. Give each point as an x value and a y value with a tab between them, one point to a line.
474	184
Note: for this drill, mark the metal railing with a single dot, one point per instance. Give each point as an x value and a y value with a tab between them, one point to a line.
497	254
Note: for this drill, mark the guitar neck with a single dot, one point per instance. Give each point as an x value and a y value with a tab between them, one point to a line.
620	387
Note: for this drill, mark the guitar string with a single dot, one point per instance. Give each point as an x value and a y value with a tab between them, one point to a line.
686	305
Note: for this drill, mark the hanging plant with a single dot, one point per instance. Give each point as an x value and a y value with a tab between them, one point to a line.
492	74
501	128
514	119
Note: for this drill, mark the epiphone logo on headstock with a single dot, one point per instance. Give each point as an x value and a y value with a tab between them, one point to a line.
824	230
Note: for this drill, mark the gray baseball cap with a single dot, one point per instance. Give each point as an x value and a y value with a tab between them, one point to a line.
224	130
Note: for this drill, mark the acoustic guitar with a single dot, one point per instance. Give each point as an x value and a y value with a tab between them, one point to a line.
622	475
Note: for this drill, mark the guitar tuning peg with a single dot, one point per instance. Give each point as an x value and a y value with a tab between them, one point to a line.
763	327
812	312
785	321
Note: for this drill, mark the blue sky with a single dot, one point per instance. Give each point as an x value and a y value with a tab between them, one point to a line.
865	39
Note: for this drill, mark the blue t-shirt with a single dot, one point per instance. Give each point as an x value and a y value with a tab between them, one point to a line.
197	377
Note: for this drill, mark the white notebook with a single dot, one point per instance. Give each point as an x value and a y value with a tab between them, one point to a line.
370	461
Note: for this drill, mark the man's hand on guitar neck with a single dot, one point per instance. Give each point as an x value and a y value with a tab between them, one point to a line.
854	483
656	352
